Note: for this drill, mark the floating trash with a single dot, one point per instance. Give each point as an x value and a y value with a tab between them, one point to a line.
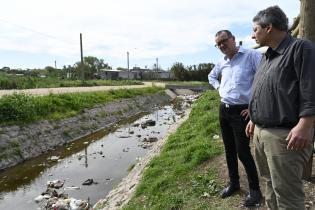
53	158
88	182
55	184
72	188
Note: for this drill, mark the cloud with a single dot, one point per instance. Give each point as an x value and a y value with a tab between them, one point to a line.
112	27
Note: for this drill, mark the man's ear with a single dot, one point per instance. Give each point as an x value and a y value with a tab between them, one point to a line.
269	28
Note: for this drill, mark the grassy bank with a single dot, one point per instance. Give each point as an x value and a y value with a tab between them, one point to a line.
23	108
177	178
28	82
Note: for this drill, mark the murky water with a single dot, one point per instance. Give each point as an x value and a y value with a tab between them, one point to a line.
104	157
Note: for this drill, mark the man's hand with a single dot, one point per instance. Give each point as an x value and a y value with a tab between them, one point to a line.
250	129
245	113
301	135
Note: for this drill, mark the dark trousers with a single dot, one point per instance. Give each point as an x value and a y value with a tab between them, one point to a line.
236	144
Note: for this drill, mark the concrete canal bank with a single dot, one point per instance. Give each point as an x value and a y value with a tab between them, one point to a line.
103	158
20	143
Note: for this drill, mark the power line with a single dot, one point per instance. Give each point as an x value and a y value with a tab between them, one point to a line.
37	32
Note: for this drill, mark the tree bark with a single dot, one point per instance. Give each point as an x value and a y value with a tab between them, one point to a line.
307	30
307	20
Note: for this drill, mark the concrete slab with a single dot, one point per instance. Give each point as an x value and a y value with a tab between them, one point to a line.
184	92
170	93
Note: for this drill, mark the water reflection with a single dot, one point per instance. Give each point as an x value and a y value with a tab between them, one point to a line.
104	157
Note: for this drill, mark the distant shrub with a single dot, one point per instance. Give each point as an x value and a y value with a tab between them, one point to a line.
8	81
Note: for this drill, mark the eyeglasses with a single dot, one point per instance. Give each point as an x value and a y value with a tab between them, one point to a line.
223	41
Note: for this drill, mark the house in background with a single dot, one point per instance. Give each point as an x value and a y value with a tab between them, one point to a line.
135	74
115	74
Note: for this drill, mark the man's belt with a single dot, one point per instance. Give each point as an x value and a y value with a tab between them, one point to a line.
236	106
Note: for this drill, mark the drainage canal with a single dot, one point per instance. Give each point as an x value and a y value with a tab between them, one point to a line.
101	160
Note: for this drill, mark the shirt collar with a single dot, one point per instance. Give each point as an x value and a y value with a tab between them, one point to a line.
280	48
283	44
241	50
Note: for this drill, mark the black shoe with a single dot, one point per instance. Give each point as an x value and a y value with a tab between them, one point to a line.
254	198
229	190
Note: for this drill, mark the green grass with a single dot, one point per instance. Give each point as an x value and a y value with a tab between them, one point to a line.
24	108
26	82
175	179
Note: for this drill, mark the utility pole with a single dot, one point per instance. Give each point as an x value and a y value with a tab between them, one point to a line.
55	64
82	73
157	68
128	63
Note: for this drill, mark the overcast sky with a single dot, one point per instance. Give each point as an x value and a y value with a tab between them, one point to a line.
36	33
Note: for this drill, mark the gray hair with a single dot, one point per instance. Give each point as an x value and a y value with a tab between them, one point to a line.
272	15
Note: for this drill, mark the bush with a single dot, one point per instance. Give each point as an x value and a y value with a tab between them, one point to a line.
24	108
17	107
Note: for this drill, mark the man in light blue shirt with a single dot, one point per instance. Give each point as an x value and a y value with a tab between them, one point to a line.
233	77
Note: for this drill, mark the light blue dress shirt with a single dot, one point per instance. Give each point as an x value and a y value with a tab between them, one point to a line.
237	76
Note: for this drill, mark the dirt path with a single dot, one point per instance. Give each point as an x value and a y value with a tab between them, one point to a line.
236	201
47	91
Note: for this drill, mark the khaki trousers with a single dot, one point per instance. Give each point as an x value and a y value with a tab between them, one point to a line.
282	169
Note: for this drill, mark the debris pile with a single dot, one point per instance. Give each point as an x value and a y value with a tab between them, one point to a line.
51	199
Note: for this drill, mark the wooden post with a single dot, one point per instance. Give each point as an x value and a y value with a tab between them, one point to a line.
128	64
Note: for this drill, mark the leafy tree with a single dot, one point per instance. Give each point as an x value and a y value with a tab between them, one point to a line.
5	69
69	72
192	73
203	71
52	72
179	71
91	66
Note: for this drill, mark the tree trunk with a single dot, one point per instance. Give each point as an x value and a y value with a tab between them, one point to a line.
307	20
307	30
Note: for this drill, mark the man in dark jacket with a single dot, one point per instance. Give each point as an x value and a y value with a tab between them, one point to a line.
282	109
